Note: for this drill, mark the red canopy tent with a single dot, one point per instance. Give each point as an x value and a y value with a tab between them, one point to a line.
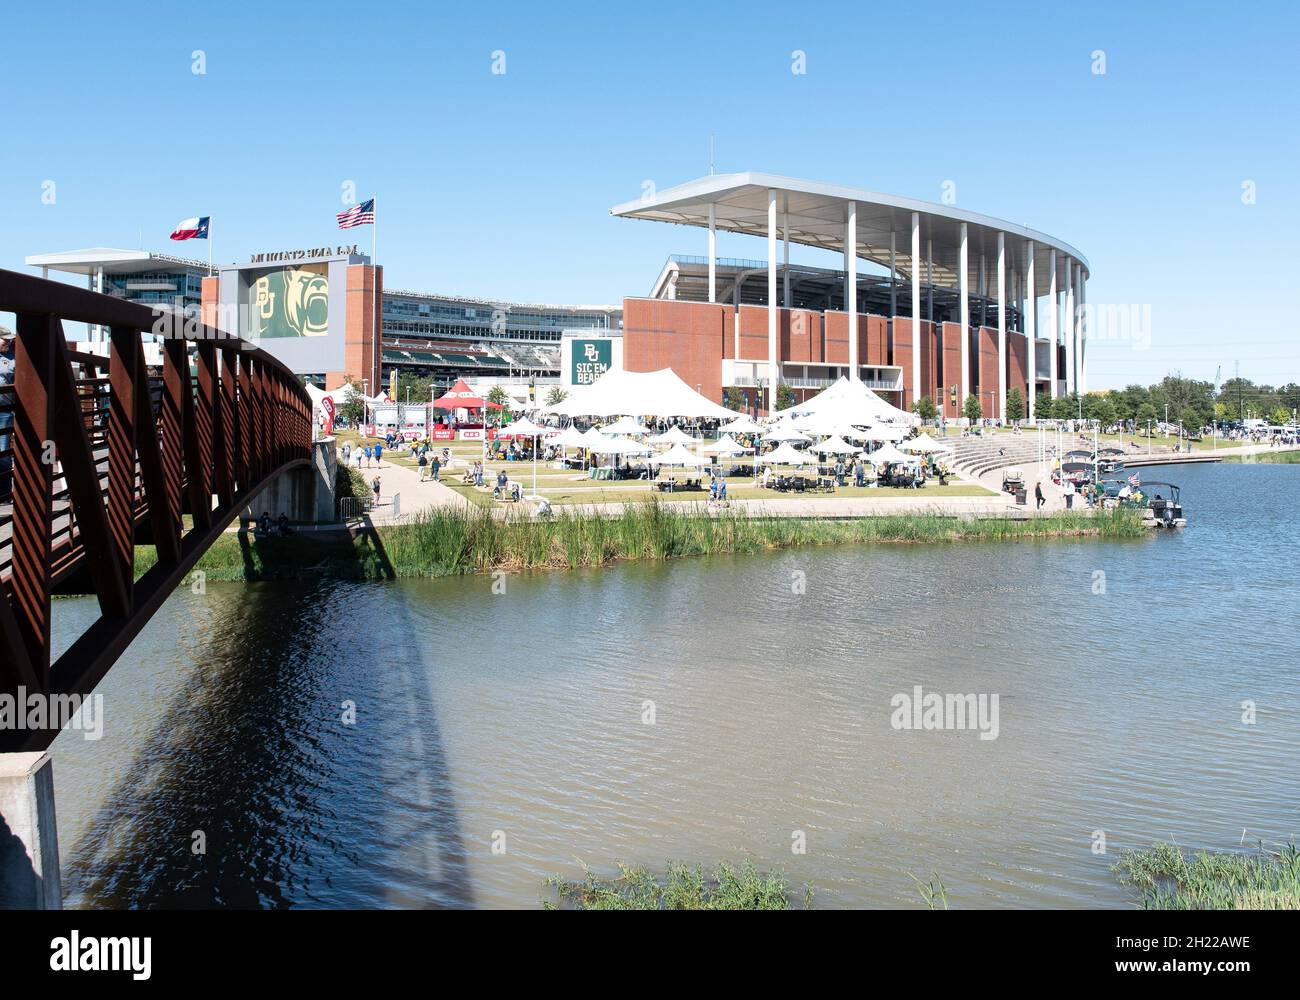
461	396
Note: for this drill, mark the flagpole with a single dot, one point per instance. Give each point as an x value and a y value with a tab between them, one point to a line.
375	281
209	245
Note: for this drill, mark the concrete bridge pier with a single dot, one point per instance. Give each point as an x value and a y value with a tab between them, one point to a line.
305	496
29	836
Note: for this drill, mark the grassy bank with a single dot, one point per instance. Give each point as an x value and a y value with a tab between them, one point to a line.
680	888
445	542
1170	880
1267	458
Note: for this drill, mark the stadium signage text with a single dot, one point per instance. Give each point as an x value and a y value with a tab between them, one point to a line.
311	254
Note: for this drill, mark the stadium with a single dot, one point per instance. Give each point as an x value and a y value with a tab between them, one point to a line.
930	301
895	323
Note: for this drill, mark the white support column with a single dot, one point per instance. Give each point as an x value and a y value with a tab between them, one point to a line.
713	253
771	302
1053	323
1069	327
1083	333
785	234
963	281
851	285
1031	332
1002	329
918	390
893	274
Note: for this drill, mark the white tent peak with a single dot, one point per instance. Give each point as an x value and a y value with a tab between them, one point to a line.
621	393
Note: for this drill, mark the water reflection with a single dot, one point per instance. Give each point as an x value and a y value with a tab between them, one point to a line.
519	719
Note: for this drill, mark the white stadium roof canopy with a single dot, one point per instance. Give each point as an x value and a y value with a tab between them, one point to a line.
817	214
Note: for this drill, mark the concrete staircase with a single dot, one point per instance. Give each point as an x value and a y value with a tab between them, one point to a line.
975	456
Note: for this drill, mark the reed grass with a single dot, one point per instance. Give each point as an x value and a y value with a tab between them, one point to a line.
450	542
680	888
1170	880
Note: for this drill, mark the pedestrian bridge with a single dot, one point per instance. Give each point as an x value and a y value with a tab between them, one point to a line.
99	452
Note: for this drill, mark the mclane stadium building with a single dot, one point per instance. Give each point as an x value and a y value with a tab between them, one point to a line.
931	301
952	309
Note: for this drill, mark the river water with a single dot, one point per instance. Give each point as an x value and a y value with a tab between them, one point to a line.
500	739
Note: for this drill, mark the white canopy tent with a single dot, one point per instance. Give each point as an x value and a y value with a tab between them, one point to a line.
741	425
620	393
571	437
621	446
924	444
725	445
785	432
787	454
888	454
674	435
834	446
676	455
626	425
526	428
853	403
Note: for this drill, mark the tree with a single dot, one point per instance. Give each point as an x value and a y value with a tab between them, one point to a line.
420	386
784	396
1146	416
1190	418
1043	406
353	408
925	408
556	396
497	395
1015	404
733	398
1279	415
972	410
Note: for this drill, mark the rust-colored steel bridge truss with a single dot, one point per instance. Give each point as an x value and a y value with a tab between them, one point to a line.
99	453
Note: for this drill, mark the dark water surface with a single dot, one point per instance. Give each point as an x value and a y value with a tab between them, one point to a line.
518	719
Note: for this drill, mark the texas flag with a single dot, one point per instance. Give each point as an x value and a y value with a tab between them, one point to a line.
192	229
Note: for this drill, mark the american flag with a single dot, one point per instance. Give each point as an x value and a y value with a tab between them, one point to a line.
358	215
1135	480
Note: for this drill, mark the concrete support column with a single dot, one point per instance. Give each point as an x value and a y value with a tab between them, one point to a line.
713	253
1002	329
1081	326
1053	322
785	234
29	837
1031	331
851	284
771	301
1070	384
918	390
963	282
893	275
929	280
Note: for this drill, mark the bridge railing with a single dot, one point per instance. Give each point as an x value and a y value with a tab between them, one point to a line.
98	453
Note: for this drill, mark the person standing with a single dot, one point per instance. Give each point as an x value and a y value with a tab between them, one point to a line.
379	451
1067	487
1038	496
368	456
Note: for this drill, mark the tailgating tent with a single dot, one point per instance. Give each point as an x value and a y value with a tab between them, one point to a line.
924	444
888	454
621	446
674	435
526	428
787	454
625	425
571	437
851	402
620	393
741	425
461	397
725	445
834	446
676	455
785	432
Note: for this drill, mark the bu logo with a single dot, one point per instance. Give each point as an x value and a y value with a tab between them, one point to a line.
590	351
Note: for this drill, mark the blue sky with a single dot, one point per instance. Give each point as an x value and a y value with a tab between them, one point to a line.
500	185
